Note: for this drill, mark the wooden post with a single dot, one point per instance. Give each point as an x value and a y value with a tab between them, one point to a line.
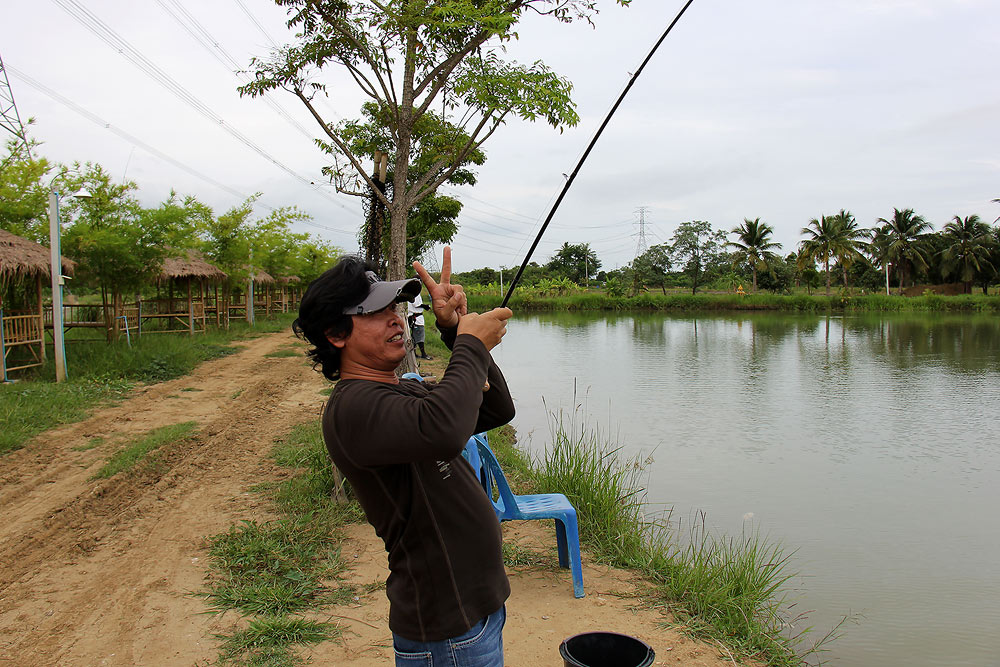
218	306
41	314
190	310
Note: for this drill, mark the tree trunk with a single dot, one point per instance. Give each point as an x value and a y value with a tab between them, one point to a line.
754	270
826	269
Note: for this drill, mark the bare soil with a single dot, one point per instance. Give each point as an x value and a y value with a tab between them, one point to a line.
102	572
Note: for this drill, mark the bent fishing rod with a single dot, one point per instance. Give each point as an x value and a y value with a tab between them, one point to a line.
586	153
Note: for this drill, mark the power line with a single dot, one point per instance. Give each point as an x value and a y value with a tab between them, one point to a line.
90	21
152	150
200	34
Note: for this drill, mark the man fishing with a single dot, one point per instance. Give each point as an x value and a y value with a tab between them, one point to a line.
399	443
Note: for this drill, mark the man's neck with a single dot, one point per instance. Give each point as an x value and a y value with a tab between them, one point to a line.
349	370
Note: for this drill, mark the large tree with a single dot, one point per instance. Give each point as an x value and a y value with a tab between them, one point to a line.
575	261
850	241
905	235
970	242
23	194
697	247
117	248
653	267
407	55
754	246
821	240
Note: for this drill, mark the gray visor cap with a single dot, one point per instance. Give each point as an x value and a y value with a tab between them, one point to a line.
382	294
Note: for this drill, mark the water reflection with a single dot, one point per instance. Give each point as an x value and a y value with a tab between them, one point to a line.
866	442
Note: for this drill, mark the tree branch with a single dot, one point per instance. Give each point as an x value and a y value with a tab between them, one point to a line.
342	146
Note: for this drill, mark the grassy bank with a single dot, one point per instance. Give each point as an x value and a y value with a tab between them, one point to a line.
100	373
527	300
726	589
281	575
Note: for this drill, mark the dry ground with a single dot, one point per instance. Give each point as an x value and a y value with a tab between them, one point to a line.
100	572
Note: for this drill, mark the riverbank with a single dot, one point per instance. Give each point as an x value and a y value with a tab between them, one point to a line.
527	300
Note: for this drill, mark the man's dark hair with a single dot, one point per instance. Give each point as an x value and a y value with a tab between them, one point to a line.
321	312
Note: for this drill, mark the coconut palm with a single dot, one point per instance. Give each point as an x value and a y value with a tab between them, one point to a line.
905	232
848	242
822	239
754	246
970	242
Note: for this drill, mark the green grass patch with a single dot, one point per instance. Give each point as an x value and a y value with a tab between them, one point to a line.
268	641
275	571
139	450
101	373
285	352
192	389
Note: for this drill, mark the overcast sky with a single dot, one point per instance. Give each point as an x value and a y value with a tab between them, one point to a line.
780	109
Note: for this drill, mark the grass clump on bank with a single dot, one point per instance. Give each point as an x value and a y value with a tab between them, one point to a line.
100	373
727	589
276	572
140	449
525	299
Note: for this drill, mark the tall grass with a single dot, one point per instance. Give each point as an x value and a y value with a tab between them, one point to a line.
526	299
100	373
725	588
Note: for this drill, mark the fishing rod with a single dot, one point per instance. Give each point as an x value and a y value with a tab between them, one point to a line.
586	153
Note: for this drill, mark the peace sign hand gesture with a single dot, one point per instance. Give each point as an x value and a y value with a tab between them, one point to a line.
447	300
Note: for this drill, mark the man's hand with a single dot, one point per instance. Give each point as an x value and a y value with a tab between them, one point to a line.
449	301
489	327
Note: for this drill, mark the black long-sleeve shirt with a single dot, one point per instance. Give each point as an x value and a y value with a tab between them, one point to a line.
399	446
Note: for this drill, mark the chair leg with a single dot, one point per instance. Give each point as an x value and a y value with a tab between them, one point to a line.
561	543
568	537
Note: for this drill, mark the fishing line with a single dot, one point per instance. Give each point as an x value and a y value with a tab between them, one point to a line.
586	153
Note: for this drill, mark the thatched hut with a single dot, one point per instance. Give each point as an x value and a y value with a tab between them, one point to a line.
289	289
22	317
241	305
190	271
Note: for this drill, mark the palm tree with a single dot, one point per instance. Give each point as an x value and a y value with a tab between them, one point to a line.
820	244
754	246
905	234
848	241
970	242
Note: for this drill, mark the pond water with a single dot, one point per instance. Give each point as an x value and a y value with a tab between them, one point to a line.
869	445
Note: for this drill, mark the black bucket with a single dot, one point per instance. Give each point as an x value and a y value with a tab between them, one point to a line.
605	649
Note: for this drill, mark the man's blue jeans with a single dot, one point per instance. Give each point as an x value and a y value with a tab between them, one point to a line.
481	646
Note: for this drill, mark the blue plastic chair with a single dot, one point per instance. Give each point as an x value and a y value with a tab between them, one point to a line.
539	506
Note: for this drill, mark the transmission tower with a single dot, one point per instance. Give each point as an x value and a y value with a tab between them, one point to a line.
641	245
10	120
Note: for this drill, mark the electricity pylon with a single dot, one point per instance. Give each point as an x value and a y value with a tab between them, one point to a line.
10	120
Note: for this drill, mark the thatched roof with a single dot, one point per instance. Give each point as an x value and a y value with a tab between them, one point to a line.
191	264
289	280
21	258
259	275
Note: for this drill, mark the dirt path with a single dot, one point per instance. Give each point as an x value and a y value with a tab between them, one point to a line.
101	572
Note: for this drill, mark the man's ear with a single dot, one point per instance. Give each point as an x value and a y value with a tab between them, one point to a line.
337	341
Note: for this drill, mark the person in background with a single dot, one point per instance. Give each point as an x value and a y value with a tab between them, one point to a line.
415	319
399	444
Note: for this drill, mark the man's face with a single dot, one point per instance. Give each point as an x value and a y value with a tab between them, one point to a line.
376	340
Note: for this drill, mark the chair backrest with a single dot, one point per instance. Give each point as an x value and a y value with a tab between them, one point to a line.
506	504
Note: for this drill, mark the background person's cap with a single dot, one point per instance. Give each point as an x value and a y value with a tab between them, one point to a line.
382	294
